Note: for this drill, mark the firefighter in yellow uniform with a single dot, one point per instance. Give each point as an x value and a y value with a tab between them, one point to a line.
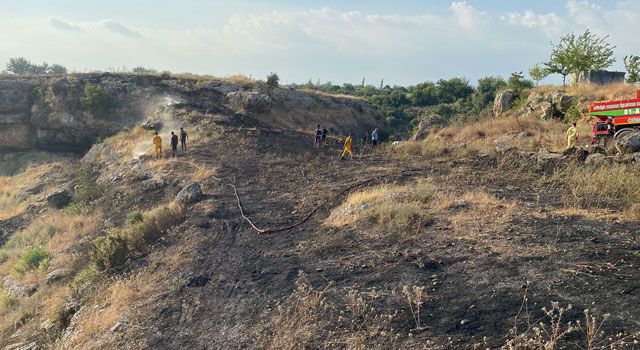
347	147
157	144
572	135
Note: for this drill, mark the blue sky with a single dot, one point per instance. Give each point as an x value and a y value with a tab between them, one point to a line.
402	41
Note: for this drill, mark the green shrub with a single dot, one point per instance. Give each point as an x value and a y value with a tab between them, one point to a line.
32	259
97	101
7	300
110	252
273	80
85	275
573	114
4	256
88	189
134	217
73	208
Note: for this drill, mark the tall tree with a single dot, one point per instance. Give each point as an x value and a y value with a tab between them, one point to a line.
577	54
632	64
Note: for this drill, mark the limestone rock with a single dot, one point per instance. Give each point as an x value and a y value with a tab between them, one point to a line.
190	194
249	102
595	158
14	288
562	102
59	199
503	102
425	124
55	275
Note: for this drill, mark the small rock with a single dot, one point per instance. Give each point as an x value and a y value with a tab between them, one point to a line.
116	327
595	158
59	199
190	194
54	276
152	184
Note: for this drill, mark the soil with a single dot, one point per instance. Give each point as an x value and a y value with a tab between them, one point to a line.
215	278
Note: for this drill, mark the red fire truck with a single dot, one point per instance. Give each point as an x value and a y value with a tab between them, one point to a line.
615	118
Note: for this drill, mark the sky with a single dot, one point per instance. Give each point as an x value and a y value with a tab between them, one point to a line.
403	41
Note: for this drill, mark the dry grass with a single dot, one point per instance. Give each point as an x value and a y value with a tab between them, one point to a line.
315	319
592	92
326	94
390	206
131	143
11	204
600	186
114	302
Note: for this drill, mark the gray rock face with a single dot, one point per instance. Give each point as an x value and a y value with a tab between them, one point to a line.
628	142
249	102
190	194
546	110
59	199
595	158
14	288
503	102
425	124
54	276
562	102
502	145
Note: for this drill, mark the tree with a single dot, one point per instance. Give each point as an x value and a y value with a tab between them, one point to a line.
486	92
454	89
538	73
577	54
632	64
518	83
19	65
56	69
273	80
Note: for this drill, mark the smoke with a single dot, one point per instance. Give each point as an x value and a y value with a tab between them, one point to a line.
162	113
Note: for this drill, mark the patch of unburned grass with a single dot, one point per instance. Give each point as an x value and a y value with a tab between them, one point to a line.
394	207
607	186
12	203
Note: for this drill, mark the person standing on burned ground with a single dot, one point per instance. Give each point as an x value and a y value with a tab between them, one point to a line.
324	136
318	139
174	145
183	139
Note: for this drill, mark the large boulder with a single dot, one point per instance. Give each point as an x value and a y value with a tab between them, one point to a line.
14	288
190	194
628	142
59	199
426	124
503	102
562	102
249	102
546	109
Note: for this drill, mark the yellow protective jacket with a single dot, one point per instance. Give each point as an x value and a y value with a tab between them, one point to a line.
157	141
348	142
572	133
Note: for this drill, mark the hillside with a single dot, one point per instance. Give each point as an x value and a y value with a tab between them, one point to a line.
448	243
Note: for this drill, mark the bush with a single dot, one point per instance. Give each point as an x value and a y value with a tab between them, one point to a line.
134	217
73	208
85	275
87	189
273	80
140	231
32	259
97	101
110	252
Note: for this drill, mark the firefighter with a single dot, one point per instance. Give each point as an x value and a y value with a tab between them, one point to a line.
157	143
347	147
572	135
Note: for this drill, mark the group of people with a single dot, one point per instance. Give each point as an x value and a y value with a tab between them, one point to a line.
321	138
174	139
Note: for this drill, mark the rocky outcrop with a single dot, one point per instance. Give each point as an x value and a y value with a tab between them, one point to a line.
190	194
503	102
425	125
562	102
249	102
59	199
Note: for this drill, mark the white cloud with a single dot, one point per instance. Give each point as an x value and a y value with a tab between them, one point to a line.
324	43
118	28
551	24
61	25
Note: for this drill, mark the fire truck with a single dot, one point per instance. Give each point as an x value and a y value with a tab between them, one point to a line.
615	118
